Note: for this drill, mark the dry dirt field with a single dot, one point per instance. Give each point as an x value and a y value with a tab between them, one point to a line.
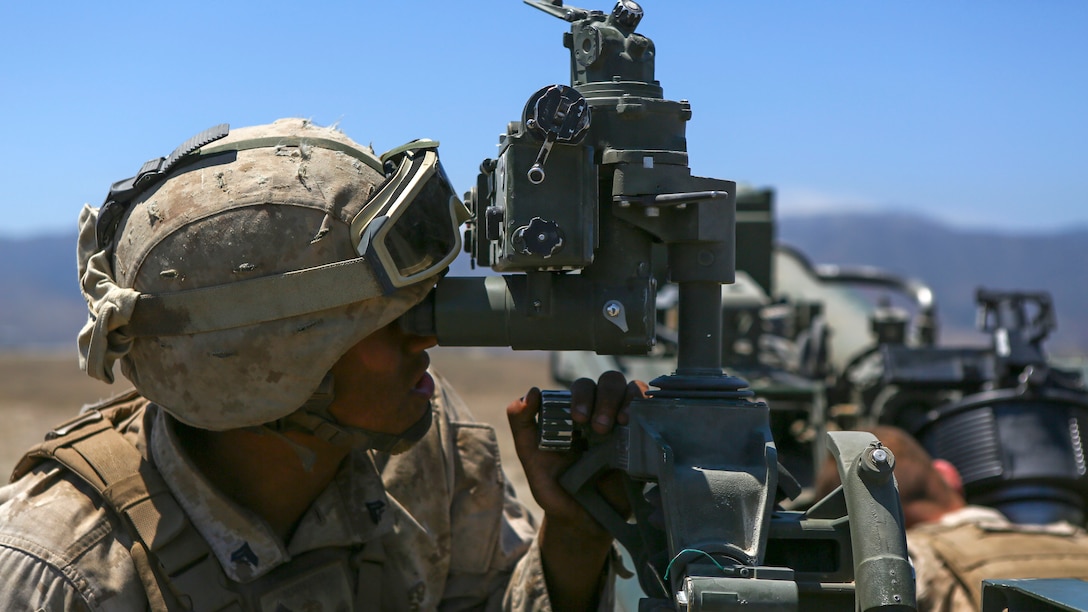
39	390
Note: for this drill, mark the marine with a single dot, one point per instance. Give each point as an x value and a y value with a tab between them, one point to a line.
286	445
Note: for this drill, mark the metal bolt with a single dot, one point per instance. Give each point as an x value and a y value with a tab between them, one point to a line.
876	464
879	455
612	309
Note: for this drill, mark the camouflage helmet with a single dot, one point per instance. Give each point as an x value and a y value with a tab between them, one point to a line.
233	283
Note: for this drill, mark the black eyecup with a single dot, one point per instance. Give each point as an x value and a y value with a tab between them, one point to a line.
123	192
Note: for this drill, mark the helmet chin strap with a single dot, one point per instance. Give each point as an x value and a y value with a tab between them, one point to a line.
315	419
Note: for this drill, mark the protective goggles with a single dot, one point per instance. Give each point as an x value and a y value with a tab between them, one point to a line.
409	229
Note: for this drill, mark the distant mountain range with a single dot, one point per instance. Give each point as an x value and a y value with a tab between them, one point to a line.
40	305
42	308
954	262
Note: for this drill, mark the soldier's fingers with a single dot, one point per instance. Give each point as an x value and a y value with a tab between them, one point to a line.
522	416
611	389
636	389
582	397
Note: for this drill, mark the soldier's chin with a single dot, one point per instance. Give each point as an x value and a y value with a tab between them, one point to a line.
414	433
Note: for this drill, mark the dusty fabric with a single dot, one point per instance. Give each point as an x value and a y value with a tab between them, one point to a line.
234	216
109	307
437	527
953	556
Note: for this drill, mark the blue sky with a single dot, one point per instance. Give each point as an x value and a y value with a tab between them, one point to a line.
970	112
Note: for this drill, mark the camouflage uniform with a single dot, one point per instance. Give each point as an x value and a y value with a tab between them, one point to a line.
954	555
436	527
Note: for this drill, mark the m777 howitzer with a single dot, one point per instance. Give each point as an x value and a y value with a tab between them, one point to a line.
589	199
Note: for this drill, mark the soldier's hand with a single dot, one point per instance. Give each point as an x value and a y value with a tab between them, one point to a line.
601	405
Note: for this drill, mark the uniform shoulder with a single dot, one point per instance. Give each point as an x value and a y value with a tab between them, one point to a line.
54	529
53	513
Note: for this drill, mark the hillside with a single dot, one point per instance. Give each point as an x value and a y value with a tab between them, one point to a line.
43	309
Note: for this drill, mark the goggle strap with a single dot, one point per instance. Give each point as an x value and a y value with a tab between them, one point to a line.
367	158
419	143
124	191
268	298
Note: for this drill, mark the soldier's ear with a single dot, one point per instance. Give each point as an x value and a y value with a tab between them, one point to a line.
950	474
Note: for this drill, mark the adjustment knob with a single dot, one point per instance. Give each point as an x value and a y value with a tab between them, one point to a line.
541	238
558	113
627	13
554	114
556	427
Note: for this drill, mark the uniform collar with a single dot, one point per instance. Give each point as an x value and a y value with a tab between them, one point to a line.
351	510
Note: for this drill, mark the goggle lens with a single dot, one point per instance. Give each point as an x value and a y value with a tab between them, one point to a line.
426	232
409	229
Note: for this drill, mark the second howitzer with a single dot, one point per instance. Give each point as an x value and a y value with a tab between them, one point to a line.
588	204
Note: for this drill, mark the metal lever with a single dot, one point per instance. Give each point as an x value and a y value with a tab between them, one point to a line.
554	114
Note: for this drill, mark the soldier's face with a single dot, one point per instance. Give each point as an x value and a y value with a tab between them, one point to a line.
381	383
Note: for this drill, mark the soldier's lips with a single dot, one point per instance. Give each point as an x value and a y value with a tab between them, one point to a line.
424	386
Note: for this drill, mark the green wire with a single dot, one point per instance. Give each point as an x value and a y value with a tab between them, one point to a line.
687	550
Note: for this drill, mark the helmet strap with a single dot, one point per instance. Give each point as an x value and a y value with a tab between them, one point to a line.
315	419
